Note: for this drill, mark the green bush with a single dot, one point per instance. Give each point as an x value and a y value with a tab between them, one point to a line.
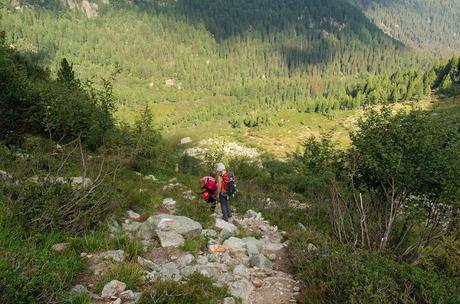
197	289
32	102
442	257
46	206
336	274
149	153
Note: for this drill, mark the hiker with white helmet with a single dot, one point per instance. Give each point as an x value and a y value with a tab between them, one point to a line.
226	187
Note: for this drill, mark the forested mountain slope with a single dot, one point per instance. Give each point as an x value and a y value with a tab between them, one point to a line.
431	25
260	50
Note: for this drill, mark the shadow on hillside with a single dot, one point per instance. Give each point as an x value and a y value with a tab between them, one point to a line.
299	58
279	21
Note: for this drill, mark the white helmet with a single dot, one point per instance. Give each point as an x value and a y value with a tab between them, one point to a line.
220	167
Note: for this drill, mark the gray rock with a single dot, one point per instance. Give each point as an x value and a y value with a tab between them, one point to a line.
79	181
223	225
180	224
241	271
209	233
5	175
169	203
215	270
170	271
188	195
229	300
137	296
271	256
185	260
114	227
117	301
252	249
170	238
185	140
213	258
188	271
202	260
130	226
114	255
260	261
60	247
252	214
129	295
147	264
112	289
79	289
151	178
145	231
225	234
133	215
301	226
272	248
235	245
212	242
253	241
311	247
241	289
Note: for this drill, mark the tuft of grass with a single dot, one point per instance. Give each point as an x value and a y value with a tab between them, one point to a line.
194	245
132	247
77	298
197	211
197	289
129	273
30	271
242	233
101	240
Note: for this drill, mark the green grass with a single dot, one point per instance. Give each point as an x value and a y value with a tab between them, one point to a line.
101	241
197	289
198	211
130	274
194	245
78	298
288	129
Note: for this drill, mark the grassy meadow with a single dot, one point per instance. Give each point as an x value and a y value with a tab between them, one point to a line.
287	130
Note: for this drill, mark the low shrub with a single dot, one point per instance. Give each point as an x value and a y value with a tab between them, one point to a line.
442	257
53	206
336	274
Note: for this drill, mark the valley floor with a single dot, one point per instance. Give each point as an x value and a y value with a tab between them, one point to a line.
287	130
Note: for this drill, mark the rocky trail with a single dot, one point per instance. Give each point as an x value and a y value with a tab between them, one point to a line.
247	254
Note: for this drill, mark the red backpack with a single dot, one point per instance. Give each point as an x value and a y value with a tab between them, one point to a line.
209	183
229	183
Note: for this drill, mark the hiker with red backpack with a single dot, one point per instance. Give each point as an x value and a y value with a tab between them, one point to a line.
226	188
209	187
